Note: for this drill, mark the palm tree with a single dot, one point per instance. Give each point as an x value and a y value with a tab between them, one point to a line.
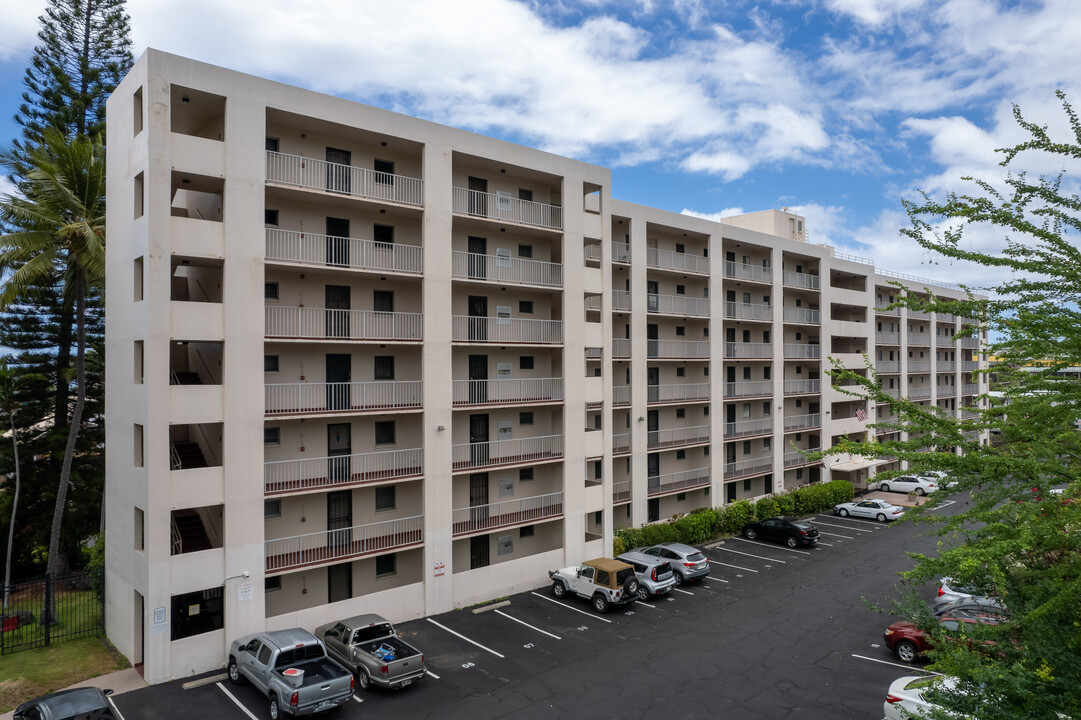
59	229
8	383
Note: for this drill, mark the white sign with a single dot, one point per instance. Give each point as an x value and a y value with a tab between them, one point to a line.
159	625
245	592
439	568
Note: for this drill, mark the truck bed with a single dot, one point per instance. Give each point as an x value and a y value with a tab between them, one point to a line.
316	672
402	649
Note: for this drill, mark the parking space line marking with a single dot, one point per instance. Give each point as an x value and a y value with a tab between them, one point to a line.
238	703
115	709
429	672
826	544
737	567
710	577
846	537
757	557
887	662
463	637
943	504
640	602
592	615
779	547
685	592
357	699
509	617
844	527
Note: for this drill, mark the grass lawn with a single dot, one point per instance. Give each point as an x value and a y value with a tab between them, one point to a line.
28	674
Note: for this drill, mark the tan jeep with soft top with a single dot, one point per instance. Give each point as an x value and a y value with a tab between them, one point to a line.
605	582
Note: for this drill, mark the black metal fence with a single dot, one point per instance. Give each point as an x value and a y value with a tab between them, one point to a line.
45	610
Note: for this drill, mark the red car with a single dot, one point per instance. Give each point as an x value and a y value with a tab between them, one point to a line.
909	642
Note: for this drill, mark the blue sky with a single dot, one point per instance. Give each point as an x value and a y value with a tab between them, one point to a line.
834	108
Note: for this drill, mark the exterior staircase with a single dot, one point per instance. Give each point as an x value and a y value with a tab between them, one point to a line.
189	533
188	454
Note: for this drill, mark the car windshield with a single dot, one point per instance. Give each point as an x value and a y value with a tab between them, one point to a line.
696	557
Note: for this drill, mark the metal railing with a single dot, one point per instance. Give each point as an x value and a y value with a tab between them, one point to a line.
677	349
894	393
42	611
752	466
802	387
621	395
342	252
505	207
800	422
888	366
621	443
509	390
913	278
806	316
918	315
689	392
467	328
506	452
683	262
594	353
308	398
330	545
621	348
506	513
286	476
621	300
678	437
678	481
886	310
970	389
593	302
677	305
793	458
919	393
748	388
945	391
946	317
969	342
505	269
919	366
970	365
802	350
743	271
314	323
917	338
748	311
888	338
592	252
792	278
747	350
744	428
853	258
333	177
621	491
946	365
621	252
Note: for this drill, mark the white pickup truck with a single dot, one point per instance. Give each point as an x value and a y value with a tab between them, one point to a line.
369	646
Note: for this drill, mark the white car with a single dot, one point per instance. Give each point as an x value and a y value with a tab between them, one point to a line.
905	700
877	509
909	483
948	591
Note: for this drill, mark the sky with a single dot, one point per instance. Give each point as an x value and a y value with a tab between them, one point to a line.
836	109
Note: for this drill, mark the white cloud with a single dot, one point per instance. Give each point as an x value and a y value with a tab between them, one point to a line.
714	216
873	12
7	188
20	23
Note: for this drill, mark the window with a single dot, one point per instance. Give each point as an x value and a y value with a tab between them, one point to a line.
383	235
137	280
799	402
525	307
525	251
272	584
765	409
746	410
138	196
598	517
386	565
272	144
746	372
765	336
525	418
681	454
680	497
382	301
705	371
680	248
138	358
525	474
705	332
598	470
799	336
140	529
681	413
384	367
270	291
680	331
765	444
384	498
272	436
705	450
270	363
270	217
525	362
746	447
137	436
766	373
705	410
384	171
197	612
681	289
525	531
272	508
524	194
681	372
137	111
747	485
384	432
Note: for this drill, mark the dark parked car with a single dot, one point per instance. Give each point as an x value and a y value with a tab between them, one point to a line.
909	642
74	704
790	531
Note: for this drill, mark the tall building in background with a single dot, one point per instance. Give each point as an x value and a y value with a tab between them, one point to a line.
475	363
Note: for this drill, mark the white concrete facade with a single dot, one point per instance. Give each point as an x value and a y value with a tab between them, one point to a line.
477	364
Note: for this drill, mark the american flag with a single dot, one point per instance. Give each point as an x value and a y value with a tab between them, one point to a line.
861	415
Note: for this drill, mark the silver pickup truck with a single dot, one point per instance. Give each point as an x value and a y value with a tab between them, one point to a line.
291	668
370	647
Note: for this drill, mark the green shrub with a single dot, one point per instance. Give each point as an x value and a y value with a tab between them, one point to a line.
734	516
765	508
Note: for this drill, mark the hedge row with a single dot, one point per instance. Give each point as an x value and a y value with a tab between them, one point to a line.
706	523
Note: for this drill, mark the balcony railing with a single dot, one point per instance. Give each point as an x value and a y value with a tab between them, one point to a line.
888	338
621	395
339	252
970	365
677	305
946	391
683	262
747	350
802	350
801	280
328	546
677	349
690	392
743	271
592	252
621	252
748	388
505	269
621	348
621	491
969	342
507	513
678	481
918	315
314	398
888	366
794	458
917	338
621	300
315	174
621	443
801	422
805	316
970	389
470	329
946	365
946	317
745	428
748	311
507	452
919	393
313	323
507	391
884	310
744	468
892	392
919	366
288	476
678	437
506	208
802	387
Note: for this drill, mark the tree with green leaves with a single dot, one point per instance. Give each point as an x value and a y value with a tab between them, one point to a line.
1015	539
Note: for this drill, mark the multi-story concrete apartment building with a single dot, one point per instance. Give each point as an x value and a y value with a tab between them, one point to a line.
475	363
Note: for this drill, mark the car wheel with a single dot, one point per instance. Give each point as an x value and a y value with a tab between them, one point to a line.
920	491
559	589
843	512
791	542
906	651
750	534
600	603
273	707
234	672
881	517
363	680
631	585
643	592
884	487
679	578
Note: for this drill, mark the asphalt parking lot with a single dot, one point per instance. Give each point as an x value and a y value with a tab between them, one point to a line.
772	633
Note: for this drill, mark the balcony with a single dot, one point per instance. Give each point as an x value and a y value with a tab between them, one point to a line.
621	395
888	366
970	389
802	316
621	348
621	443
677	349
918	338
970	365
747	351
678	262
892	392
802	387
802	351
923	393
621	491
507	513
969	342
760	388
946	391
802	422
621	300
506	331
621	252
325	473
506	208
691	392
288	246
320	398
745	468
332	546
946	365
505	270
313	323
677	437
795	458
885	310
888	338
919	366
918	315
801	280
946	317
312	174
592	253
747	428
469	456
678	481
743	271
748	311
511	391
680	305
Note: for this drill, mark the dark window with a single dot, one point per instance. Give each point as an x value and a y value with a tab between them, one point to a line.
525	531
384	367
525	251
272	508
525	418
384	498
386	565
524	194
680	331
765	373
681	289
765	336
681	412
525	307
272	144
705	410
270	291
598	517
270	363
270	217
525	362
680	248
272	584
680	497
272	436
197	612
598	470
747	485
383	234
384	432
681	372
681	454
384	171
525	474
383	301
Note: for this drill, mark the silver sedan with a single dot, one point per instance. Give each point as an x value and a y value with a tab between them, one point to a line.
876	509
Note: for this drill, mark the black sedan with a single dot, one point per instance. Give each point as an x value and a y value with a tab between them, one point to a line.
790	531
87	702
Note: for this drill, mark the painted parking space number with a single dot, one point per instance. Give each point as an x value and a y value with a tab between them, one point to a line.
467	665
